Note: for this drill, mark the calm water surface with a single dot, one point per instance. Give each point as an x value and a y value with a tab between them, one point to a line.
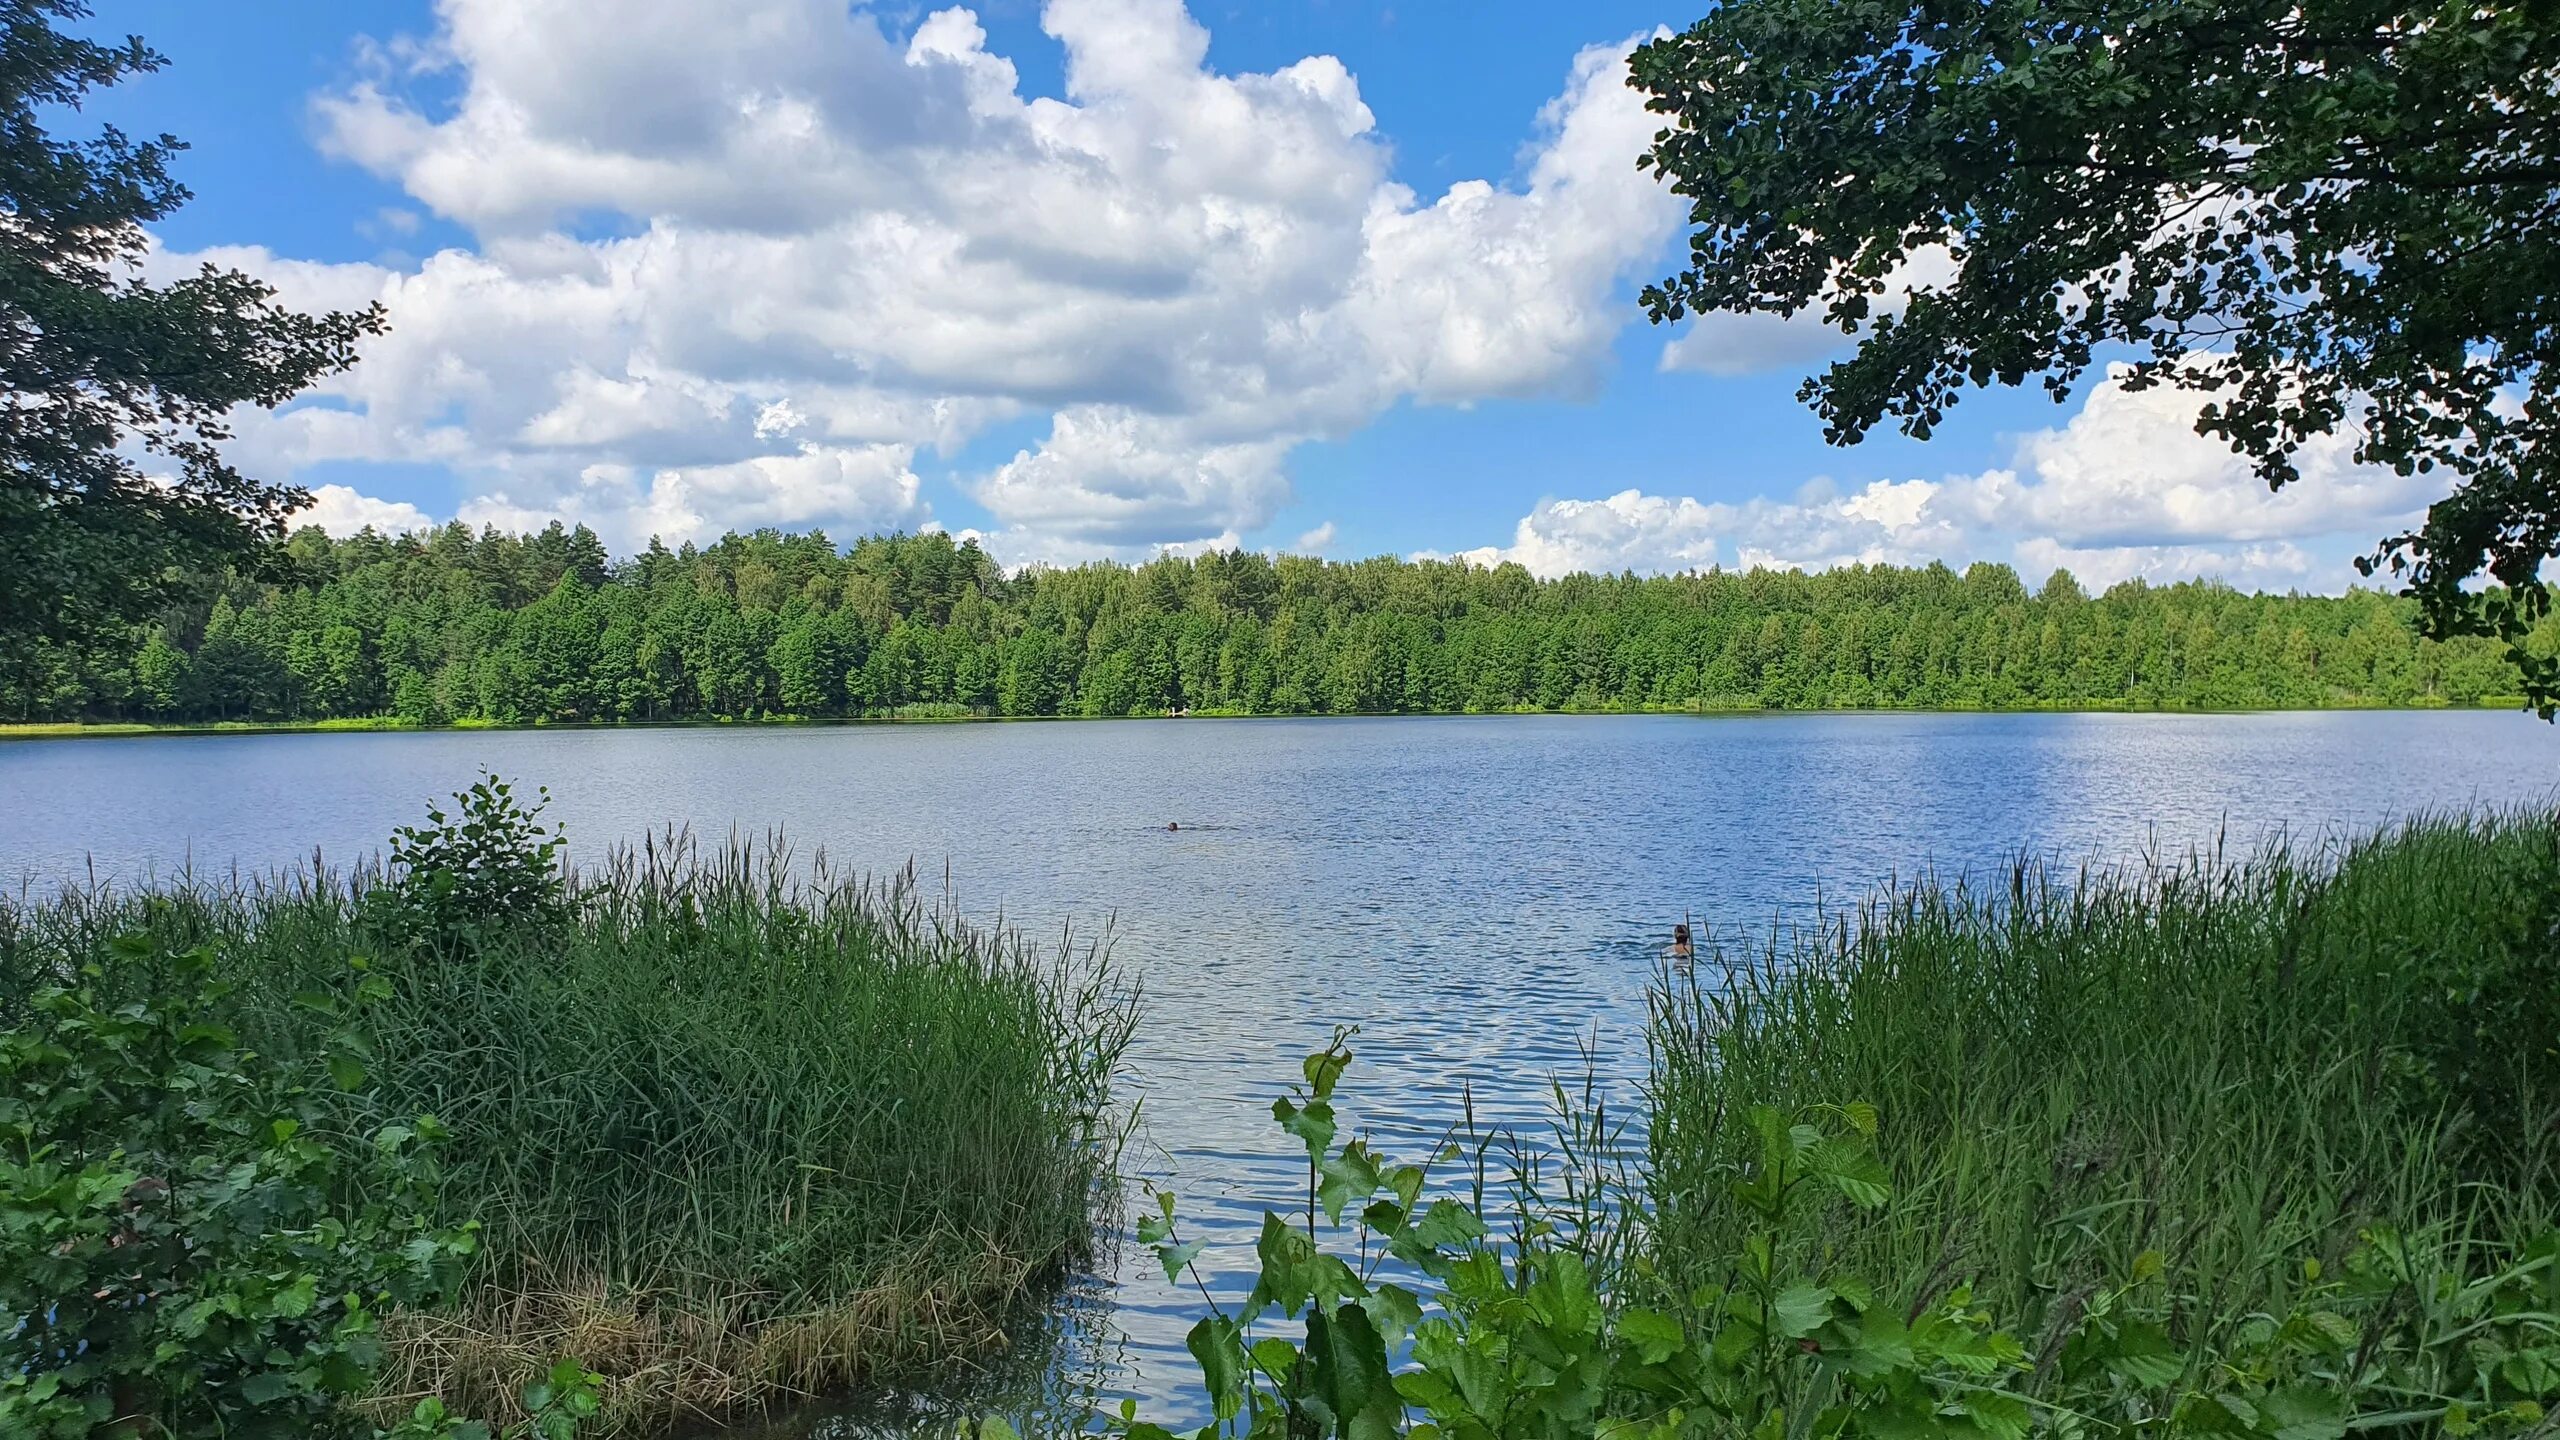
1480	895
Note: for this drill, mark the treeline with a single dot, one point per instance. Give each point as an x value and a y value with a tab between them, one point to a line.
448	625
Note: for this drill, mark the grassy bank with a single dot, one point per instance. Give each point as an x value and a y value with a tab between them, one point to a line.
2230	1069
738	1128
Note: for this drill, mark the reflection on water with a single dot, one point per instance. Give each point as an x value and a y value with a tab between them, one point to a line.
1481	895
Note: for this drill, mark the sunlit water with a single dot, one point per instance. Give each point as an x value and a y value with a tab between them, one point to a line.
1482	896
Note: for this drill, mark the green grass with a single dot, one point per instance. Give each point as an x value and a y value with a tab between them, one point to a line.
740	1129
2233	1066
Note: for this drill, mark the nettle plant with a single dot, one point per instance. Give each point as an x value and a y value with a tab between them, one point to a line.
1384	1310
189	1246
193	1241
1512	1335
486	865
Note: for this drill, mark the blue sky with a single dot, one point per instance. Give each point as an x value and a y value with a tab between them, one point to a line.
1089	279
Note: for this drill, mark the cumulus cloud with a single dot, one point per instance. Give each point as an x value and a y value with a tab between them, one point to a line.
715	245
2125	489
1888	521
1751	342
342	511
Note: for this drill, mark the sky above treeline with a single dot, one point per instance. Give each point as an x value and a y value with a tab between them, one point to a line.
1087	279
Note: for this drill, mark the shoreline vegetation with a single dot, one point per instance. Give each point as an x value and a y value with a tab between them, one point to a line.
736	1130
2265	1146
453	628
2236	1063
957	715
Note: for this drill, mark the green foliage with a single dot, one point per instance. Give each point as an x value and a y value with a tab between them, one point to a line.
192	1244
773	1129
448	627
99	363
1416	1319
2329	219
2228	1068
486	867
555	1407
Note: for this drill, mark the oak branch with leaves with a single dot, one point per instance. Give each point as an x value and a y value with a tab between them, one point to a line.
2325	216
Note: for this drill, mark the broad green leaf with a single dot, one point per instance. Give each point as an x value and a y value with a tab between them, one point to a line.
1799	1310
1288	1258
1345	1178
1312	1123
2305	1412
1349	1363
1176	1258
344	1072
1219	1347
2144	1354
1654	1336
1394	1310
1324	1068
1882	1346
265	1387
296	1299
1446	1223
2000	1414
1852	1169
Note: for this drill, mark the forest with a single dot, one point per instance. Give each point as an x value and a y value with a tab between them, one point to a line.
450	626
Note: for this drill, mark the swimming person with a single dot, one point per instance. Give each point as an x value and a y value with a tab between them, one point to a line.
1173	824
1680	947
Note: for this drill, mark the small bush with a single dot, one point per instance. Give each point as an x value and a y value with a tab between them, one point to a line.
741	1130
187	1246
483	869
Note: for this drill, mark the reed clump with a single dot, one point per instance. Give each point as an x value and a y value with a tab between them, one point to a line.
2221	1069
738	1128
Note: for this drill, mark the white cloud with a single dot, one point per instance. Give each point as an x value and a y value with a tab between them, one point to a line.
342	512
709	238
1888	521
1314	542
2129	469
2281	565
1108	480
2125	489
1749	342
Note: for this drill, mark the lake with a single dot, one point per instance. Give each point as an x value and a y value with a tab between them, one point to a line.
1481	895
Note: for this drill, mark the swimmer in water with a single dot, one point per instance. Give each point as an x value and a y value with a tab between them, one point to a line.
1173	824
1680	947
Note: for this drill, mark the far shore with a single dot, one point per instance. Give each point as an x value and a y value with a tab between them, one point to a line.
90	730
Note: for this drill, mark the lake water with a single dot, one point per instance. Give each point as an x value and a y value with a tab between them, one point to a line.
1480	894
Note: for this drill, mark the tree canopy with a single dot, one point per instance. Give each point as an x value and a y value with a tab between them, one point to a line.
450	625
2322	215
114	390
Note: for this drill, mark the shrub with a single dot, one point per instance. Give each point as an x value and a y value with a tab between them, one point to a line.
485	868
1414	1319
186	1246
741	1130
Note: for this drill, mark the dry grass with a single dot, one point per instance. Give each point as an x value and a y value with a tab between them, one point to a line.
675	1360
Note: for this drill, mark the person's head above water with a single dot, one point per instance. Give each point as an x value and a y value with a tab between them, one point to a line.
1173	824
1680	934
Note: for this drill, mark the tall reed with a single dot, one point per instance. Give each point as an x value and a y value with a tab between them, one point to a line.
739	1128
2233	1065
